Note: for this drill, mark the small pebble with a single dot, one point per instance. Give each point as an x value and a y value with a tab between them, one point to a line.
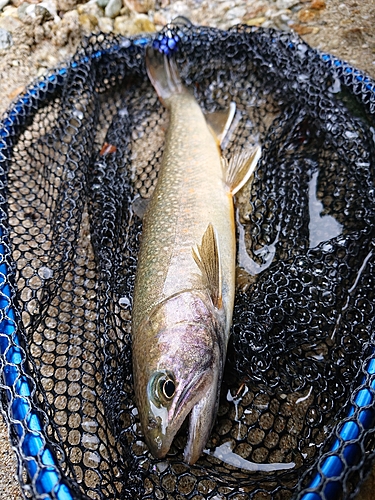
3	3
9	19
306	15
144	24
88	22
160	19
105	24
113	8
141	6
90	8
318	4
9	10
235	13
133	26
286	4
256	21
27	11
6	40
102	3
66	5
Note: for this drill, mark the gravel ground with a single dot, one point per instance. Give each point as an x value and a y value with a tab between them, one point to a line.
38	35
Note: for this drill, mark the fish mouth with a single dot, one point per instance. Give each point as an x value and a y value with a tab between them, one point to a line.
201	421
199	411
184	396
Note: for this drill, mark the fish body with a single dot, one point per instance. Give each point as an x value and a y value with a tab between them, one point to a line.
185	280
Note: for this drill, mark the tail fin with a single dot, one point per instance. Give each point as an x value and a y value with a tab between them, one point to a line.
164	75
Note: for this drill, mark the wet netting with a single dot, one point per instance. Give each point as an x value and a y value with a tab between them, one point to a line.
79	151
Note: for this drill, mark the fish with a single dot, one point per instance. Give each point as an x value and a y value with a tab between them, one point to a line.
185	278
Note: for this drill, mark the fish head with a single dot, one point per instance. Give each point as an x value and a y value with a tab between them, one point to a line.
179	374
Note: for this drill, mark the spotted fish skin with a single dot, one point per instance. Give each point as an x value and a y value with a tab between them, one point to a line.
185	280
190	194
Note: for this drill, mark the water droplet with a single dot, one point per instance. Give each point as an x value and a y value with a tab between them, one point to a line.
45	272
124	301
78	114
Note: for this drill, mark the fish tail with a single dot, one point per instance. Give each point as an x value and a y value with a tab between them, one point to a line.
164	75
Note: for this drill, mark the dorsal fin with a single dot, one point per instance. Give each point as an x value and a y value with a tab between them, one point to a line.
207	257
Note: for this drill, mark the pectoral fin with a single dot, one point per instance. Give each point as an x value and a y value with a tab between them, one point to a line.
139	206
219	122
206	256
240	168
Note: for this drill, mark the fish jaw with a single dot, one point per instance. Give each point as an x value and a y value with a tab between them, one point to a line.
192	353
199	406
202	417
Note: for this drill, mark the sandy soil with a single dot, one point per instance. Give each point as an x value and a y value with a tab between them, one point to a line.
343	28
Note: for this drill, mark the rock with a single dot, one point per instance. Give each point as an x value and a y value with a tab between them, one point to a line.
27	11
9	19
6	40
141	6
68	29
318	4
304	30
286	4
66	5
9	10
123	25
144	24
50	5
113	8
178	9
3	3
10	23
102	3
133	26
306	15
159	19
90	8
88	22
22	11
278	19
255	21
105	24
236	13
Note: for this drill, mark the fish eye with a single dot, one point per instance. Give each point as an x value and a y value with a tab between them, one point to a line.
168	388
163	387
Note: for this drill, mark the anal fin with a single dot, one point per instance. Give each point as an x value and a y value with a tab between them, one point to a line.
207	257
240	168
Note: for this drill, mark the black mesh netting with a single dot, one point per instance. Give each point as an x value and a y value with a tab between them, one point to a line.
76	151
